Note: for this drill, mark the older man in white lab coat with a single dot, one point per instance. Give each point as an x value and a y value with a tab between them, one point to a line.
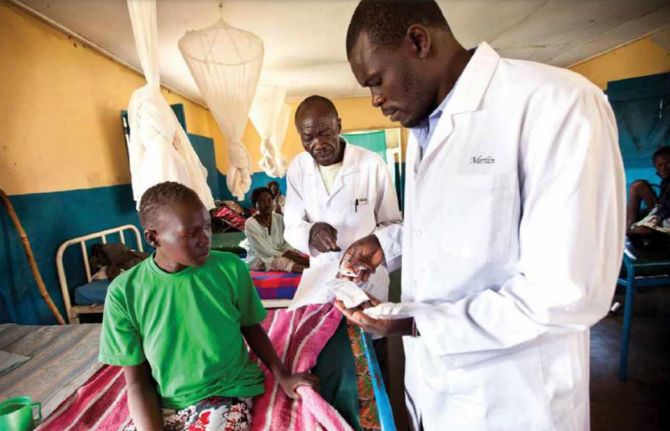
336	192
514	224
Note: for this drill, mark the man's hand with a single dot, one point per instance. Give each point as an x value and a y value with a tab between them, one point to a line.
290	383
380	327
363	257
323	237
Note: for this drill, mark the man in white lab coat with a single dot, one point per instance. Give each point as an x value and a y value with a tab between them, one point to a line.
336	192
514	224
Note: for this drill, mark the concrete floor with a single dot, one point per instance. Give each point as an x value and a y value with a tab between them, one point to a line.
640	404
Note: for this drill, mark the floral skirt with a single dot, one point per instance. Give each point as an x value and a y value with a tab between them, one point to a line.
210	414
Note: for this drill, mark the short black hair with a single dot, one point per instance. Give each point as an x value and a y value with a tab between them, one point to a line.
273	182
315	99
256	194
386	21
162	195
663	151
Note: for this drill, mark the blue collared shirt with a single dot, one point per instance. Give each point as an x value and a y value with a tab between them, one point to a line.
424	131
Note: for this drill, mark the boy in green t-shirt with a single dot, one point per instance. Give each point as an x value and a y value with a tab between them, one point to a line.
177	323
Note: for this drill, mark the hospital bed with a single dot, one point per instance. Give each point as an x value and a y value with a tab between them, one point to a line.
63	374
89	296
336	366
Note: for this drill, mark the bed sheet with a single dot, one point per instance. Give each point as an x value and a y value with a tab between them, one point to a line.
62	359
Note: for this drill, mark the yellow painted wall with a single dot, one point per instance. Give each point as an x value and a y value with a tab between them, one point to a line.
60	103
639	58
60	106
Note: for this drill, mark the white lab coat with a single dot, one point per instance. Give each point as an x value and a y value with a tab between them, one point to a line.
364	177
512	241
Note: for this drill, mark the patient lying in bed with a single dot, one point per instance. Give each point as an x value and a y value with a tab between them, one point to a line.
178	322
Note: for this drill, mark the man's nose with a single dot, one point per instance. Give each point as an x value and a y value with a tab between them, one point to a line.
377	99
319	142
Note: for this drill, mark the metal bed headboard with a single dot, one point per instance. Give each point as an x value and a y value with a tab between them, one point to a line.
73	312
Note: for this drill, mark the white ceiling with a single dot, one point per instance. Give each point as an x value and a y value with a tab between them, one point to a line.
304	39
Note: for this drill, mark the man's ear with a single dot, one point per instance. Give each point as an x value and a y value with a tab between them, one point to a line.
152	237
419	39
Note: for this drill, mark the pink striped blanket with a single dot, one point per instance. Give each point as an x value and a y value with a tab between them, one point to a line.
298	336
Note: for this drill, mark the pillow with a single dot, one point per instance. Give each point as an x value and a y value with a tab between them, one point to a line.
234	206
231	216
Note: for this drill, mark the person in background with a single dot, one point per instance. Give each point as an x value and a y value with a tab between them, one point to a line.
279	199
179	324
641	192
268	250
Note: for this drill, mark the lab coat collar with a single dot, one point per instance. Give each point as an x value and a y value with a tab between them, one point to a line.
474	81
467	96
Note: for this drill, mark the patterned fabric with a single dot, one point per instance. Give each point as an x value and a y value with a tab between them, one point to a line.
369	416
275	285
211	414
298	337
101	404
231	217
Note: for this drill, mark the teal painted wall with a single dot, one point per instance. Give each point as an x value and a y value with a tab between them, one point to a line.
204	148
642	109
52	218
49	219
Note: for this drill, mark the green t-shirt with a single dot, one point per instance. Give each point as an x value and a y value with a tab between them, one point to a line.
187	326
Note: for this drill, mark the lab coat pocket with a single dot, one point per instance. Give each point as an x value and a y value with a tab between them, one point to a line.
481	213
358	219
361	207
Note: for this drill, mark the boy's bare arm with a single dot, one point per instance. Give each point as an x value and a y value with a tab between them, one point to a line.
260	344
143	402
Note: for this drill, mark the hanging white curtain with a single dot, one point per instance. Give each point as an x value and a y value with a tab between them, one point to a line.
226	63
268	116
158	148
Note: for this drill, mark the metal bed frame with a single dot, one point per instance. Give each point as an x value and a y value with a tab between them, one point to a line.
73	311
